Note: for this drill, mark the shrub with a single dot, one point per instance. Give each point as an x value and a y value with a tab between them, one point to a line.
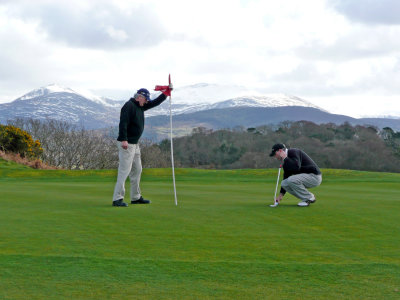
16	140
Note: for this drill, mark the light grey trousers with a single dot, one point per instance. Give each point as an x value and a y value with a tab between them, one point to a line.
130	164
297	185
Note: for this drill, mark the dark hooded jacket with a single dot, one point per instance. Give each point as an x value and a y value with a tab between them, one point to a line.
131	124
298	162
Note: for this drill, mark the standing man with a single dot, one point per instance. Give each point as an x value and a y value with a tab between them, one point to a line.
300	172
131	127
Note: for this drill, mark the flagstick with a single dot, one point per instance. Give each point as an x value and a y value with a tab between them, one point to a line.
172	149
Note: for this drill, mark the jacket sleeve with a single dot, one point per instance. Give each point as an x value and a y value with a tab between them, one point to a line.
283	191
153	103
123	122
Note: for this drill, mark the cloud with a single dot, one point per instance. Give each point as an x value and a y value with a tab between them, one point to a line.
308	49
369	11
96	25
304	79
357	43
378	76
22	53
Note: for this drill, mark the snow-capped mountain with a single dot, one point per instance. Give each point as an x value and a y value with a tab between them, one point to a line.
55	89
204	96
83	107
210	93
278	100
274	100
43	91
61	103
203	93
193	105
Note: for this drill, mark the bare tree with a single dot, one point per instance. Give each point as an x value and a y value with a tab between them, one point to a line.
153	157
72	147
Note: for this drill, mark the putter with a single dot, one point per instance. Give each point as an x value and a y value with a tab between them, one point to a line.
276	203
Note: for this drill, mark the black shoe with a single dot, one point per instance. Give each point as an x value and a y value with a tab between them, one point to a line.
119	202
140	201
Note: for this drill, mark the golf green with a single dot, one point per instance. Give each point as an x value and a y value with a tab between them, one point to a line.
60	238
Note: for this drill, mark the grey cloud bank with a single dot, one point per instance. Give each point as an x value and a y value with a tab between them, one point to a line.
370	11
100	26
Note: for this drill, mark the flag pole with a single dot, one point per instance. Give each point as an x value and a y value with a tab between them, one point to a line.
172	145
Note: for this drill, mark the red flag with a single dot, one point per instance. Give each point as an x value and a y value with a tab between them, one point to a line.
165	89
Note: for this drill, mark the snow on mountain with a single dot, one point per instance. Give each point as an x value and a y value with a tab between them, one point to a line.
186	99
43	91
80	106
209	93
273	100
203	96
65	104
54	88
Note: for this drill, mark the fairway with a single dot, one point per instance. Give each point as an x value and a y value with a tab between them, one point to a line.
60	238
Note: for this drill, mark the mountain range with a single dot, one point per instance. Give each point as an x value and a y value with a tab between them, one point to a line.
211	106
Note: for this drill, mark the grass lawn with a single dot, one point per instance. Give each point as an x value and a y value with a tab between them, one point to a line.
60	238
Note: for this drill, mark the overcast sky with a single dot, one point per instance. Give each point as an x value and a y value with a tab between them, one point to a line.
343	55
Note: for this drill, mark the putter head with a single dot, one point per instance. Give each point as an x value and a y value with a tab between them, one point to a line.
275	204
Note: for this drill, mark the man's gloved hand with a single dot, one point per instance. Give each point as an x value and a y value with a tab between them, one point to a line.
165	89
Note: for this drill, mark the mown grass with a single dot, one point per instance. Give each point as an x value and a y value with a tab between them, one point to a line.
61	239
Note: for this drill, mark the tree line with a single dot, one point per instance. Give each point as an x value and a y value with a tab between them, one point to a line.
331	146
70	146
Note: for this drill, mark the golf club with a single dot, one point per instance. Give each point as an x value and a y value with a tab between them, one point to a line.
276	203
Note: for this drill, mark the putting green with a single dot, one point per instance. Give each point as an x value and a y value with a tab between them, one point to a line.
61	239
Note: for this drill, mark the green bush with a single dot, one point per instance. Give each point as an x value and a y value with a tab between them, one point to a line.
16	140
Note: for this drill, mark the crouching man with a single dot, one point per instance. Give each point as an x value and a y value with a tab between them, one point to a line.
300	173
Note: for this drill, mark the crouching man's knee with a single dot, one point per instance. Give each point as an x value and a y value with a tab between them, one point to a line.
285	183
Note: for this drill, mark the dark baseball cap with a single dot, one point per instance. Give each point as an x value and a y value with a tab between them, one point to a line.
276	147
145	93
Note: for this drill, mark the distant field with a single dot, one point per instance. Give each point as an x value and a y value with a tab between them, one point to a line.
61	239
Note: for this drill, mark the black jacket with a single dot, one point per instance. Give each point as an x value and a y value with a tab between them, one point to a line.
131	123
298	162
